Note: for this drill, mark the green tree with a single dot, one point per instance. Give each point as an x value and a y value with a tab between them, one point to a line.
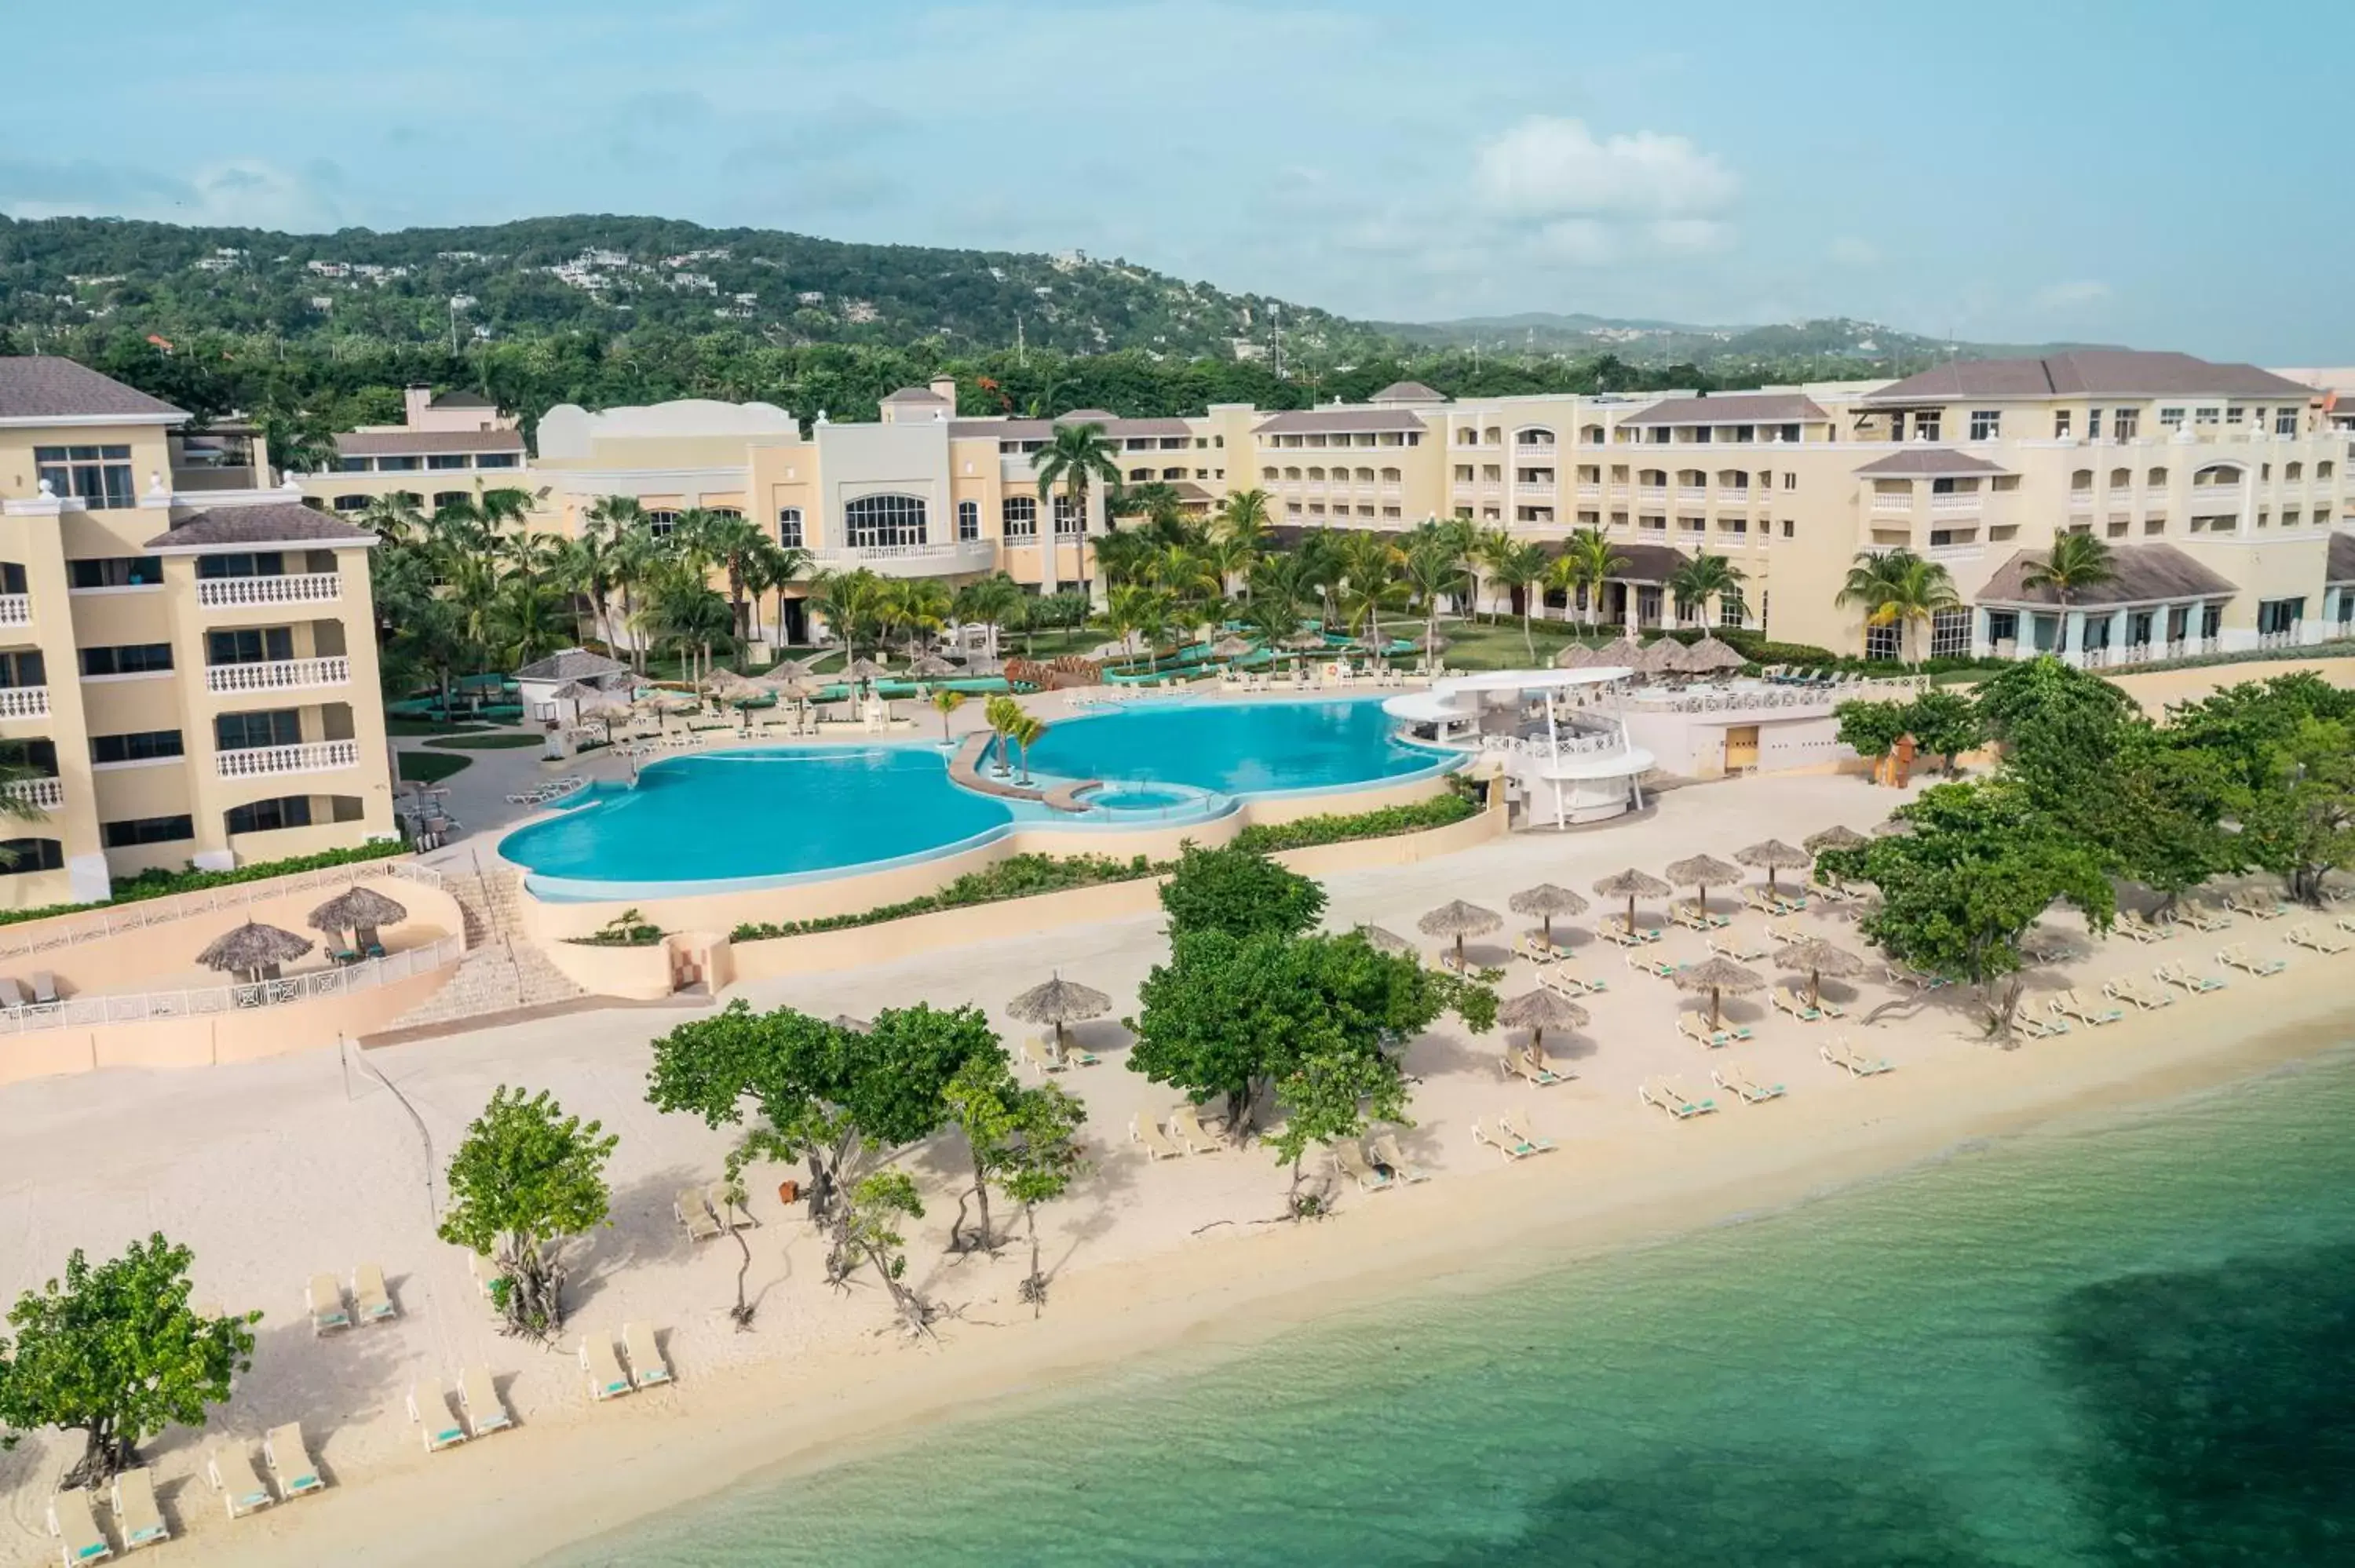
1434	566
2287	746
1037	1158
2060	728
1871	728
872	1212
995	601
1705	577
1898	587
2074	563
1326	1099
1587	563
1519	567
115	1353
1239	892
1076	457
1946	723
1368	577
527	1180
945	701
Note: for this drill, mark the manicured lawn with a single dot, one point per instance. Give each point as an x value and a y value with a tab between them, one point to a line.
1476	645
431	767
500	740
413	726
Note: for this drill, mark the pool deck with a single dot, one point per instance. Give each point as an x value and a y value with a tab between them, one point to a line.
964	769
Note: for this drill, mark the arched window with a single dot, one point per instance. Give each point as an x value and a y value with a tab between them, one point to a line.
19	856
2120	478
968	519
1020	516
731	511
883	521
1139	475
351	502
2157	476
1390	476
2294	472
1268	473
1534	436
450	498
1171	474
660	524
789	527
1317	474
411	497
1365	476
1496	437
1291	474
1068	521
2082	479
1591	434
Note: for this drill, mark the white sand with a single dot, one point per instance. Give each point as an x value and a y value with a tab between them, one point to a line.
272	1171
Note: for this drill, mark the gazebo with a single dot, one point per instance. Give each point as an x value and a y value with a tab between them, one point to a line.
253	951
361	911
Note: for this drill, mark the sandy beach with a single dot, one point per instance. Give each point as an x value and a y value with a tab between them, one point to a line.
275	1170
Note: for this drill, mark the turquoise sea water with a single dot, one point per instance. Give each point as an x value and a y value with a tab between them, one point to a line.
2119	1348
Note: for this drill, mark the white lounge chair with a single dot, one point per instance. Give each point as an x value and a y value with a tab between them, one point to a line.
648	1367
439	1429
76	1528
2179	974
289	1458
1843	1054
693	1211
1144	1129
2308	938
2236	957
230	1469
1734	1076
1394	1159
371	1303
479	1398
1353	1163
323	1296
1516	1124
136	1517
1186	1127
606	1378
1672	1098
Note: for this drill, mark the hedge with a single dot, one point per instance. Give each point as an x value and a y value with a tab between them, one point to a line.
150	884
1306	832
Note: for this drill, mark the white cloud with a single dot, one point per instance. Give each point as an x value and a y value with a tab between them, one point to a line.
1553	168
1851	251
2082	291
1690	235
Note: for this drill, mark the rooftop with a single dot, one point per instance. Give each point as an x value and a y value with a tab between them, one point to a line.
2089	373
413	443
2144	574
462	400
1939	460
915	394
267	523
1326	421
43	387
1407	392
1731	408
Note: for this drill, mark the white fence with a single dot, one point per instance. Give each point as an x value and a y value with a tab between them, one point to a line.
279	674
149	1007
299	588
71	931
1824	698
307	756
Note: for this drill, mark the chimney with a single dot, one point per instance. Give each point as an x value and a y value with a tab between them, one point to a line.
945	386
414	401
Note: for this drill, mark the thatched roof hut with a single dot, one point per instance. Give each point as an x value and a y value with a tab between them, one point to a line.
360	910
1060	1001
1814	958
1538	1011
1545	901
1835	837
254	950
1772	854
1632	885
1717	976
1459	920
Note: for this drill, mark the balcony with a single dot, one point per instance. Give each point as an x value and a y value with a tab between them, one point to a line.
1885	501
1592	493
42	794
1648	492
301	587
278	675
24	702
1692	494
925	560
1734	496
272	761
1961	501
15	609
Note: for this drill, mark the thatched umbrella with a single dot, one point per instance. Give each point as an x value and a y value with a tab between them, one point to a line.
360	911
1387	941
1058	1002
1709	656
1772	854
788	669
855	1025
1575	656
1814	958
1231	648
1632	885
254	950
1459	920
861	670
1628	649
1698	871
1717	976
1835	837
932	667
1892	828
1659	657
1538	1011
733	689
1545	901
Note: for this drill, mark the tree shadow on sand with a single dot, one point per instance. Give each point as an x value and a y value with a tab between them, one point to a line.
2219	1405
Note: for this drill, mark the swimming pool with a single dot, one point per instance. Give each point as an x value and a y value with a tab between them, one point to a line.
713	820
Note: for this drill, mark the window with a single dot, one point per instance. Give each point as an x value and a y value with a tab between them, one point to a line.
498	459
146	831
1019	517
396	464
24	855
2236	414
2279	615
243	564
2211	620
25	669
141	745
789	527
1790	529
1170	474
351	502
1925	425
2292	473
1790	481
446	459
1950	634
99	476
874	521
442	498
2003	626
130	658
2206	415
244	732
660	524
2060	424
2125	423
2170	419
117	571
265	816
1881	641
968	519
1139	475
2285	422
259	646
1729	610
2092	423
1986	424
1068	520
352	465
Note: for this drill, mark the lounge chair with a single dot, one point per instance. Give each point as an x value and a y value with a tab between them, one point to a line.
45	988
1831	890
1700	1030
1546	1060
440	1431
12	995
732	1214
2037	1028
1071	1055
324	1300
606	1378
1503	1143
2180	975
371	1303
1756	898
1734	1077
1562	978
1144	1129
694	1211
2131	925
1353	1163
1659	968
1785	1000
136	1517
648	1367
2127	989
1671	1097
1618	935
1536	948
76	1528
1039	1056
1186	1127
1524	1129
1701	916
2236	957
230	1469
2199	916
479	1398
2308	936
1738	949
1843	1054
2345	923
289	1458
2249	904
484	1272
1518	1063
2069	1004
1391	1158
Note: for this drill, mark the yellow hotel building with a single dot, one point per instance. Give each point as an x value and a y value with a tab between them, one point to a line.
188	658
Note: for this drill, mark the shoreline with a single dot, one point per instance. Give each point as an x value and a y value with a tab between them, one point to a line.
573	1474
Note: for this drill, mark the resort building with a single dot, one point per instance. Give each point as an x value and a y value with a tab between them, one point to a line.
2220	486
447	449
188	670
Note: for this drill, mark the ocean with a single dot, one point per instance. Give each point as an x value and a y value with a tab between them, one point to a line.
2119	1348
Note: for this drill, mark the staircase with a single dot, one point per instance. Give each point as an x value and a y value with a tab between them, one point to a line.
501	972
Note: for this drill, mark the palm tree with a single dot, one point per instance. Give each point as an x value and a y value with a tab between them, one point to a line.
1704	578
854	603
583	572
1899	589
1520	568
1076	456
1587	562
1156	501
733	542
1004	715
995	601
1123	553
1369	567
1026	734
526	620
1138	611
946	702
1434	555
1243	517
771	569
627	544
2075	562
394	518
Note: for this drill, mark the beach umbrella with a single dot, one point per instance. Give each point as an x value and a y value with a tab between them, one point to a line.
1538	1011
1231	647
1058	1002
1545	901
1627	649
1661	657
1709	656
860	671
932	667
1893	828
1772	854
1385	941
1717	976
1835	837
1814	958
1700	870
788	669
727	686
254	950
1427	642
1576	656
1459	920
360	910
1632	885
854	1025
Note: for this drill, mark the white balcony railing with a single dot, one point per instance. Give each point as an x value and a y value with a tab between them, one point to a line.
1651	492
303	587
24	702
1961	501
310	756
48	794
1884	501
15	609
1590	492
959	555
279	674
1692	495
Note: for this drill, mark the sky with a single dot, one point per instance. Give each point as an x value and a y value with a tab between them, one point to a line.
2147	172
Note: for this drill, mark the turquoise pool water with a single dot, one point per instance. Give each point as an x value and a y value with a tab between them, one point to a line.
742	816
2123	1348
1139	799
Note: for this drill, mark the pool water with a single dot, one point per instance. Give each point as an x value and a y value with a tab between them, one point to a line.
742	817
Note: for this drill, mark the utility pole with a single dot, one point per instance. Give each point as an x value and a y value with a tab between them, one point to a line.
1020	356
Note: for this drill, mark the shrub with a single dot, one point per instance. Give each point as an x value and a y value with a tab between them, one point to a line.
627	929
159	883
1307	832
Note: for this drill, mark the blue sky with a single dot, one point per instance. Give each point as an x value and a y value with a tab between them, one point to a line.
2140	171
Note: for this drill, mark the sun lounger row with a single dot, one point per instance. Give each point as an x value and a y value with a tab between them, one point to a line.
1045	1054
706	1212
608	1379
2316	941
44	994
229	1467
481	1412
369	1302
1564	977
1842	1054
1697	1028
1512	1135
2236	957
551	790
1533	1065
72	1519
1671	1097
1376	1163
1183	1134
